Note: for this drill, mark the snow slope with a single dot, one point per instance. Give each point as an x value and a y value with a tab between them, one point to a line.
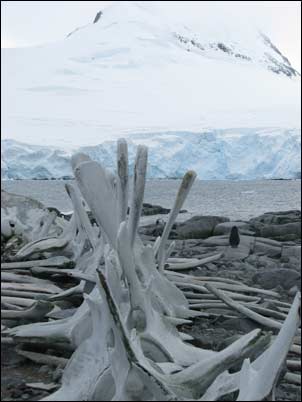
138	70
219	154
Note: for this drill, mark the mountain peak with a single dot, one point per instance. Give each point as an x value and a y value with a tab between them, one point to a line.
141	69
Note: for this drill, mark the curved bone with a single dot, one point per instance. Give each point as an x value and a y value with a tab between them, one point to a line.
42	245
192	264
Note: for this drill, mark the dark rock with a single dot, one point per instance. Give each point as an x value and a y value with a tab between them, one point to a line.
283	226
98	16
240	324
270	278
199	227
225	227
149	209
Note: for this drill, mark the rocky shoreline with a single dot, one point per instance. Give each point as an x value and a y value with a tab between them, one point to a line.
268	256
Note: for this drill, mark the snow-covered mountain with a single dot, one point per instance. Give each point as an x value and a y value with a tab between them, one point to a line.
135	69
219	154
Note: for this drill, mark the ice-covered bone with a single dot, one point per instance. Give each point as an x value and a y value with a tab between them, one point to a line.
183	191
122	184
139	182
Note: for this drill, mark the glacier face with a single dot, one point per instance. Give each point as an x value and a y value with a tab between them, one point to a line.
216	154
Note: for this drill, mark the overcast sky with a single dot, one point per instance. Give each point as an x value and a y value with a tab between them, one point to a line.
27	23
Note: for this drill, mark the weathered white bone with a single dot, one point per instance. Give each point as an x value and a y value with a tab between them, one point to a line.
19	301
139	181
203	278
201	286
196	297
294	365
82	215
11	277
122	185
265	321
256	384
27	287
26	295
60	261
79	158
91	177
43	245
42	358
192	264
227	383
8	306
183	191
35	313
293	378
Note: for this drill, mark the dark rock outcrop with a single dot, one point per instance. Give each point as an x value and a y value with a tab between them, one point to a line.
271	278
282	226
199	227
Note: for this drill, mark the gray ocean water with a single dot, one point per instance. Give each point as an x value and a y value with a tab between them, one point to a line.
234	199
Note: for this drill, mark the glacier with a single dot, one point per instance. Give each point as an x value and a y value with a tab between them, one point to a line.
259	153
217	97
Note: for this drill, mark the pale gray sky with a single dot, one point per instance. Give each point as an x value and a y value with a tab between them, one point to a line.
27	23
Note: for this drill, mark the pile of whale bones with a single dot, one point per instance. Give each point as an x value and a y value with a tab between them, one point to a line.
125	335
